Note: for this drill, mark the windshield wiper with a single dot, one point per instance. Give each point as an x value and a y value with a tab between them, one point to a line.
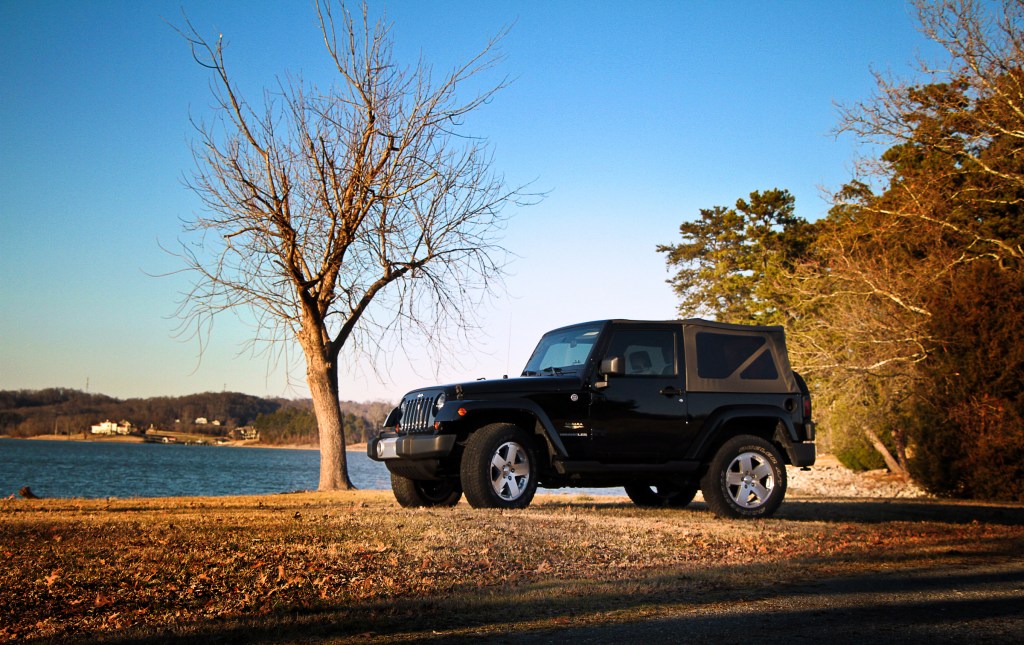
551	369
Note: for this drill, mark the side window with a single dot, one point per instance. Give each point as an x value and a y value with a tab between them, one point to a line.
720	356
645	352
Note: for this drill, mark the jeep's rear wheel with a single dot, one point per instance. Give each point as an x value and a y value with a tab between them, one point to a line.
746	479
414	493
499	468
662	495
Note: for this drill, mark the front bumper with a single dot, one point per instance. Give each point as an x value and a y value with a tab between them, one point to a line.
413	446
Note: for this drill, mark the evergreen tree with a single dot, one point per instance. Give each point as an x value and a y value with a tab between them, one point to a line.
729	259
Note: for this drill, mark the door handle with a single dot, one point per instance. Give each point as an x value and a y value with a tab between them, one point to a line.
671	390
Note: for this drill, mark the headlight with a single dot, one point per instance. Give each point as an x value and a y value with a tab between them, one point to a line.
440	402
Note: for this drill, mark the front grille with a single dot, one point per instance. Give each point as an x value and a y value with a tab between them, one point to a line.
417	414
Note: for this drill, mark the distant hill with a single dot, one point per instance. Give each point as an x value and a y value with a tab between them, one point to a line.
295	423
28	413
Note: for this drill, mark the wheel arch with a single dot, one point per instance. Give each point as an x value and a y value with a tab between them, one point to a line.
767	422
519	412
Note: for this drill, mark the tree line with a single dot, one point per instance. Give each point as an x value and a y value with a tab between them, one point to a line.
904	306
297	425
64	411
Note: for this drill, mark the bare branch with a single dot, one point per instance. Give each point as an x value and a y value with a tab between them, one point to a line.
341	216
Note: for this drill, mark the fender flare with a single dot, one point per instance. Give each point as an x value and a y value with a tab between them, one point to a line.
715	422
449	413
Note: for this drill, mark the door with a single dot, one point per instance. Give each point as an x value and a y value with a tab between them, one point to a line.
640	416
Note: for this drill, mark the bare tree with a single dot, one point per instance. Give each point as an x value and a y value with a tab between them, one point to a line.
344	216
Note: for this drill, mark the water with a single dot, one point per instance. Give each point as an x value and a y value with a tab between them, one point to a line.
107	469
102	469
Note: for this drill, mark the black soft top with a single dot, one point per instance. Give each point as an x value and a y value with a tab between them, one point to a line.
701	372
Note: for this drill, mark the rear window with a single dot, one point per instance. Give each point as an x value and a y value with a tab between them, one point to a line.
723	356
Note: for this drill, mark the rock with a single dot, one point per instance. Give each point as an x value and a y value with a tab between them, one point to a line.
27	493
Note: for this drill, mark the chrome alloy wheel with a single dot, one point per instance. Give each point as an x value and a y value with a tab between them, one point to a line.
750	480
510	471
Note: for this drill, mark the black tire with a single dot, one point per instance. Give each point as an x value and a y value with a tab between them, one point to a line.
499	467
662	495
745	479
415	493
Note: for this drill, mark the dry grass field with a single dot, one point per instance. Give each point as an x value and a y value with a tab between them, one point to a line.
355	567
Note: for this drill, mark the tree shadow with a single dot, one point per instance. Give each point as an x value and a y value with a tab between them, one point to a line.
852	509
914	603
873	511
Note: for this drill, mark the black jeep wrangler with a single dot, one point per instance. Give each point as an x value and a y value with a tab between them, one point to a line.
663	409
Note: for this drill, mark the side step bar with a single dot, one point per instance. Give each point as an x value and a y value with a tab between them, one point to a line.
599	468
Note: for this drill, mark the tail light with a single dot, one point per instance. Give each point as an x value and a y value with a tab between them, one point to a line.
809	429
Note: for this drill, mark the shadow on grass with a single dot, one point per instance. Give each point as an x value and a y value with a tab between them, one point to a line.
870	511
882	510
736	600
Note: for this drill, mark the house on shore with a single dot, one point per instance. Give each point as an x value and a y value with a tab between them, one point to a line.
247	433
108	427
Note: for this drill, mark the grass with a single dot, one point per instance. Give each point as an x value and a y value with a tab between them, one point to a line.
355	567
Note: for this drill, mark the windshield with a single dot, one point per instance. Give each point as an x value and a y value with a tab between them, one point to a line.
564	351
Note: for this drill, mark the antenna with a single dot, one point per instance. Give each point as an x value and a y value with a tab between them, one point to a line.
508	347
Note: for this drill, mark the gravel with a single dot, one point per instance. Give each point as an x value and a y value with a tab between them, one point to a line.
829	478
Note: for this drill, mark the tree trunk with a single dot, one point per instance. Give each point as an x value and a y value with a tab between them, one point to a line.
322	377
890	461
901	450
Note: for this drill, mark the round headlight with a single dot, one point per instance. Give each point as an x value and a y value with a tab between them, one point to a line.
440	402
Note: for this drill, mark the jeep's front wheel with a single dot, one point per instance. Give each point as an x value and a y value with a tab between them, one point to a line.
662	495
415	493
746	479
499	468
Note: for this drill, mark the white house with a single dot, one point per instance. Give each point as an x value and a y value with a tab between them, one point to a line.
108	427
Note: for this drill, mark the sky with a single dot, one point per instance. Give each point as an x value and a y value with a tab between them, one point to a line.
630	116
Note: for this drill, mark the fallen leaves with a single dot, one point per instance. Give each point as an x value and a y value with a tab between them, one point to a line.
156	566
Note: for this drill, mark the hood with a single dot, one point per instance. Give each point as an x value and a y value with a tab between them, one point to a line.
507	386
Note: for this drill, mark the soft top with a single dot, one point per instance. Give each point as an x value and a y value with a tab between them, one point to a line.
724	357
699	322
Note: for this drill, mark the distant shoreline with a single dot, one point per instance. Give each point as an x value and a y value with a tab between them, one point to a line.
78	437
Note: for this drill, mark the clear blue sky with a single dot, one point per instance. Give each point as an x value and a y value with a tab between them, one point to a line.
633	115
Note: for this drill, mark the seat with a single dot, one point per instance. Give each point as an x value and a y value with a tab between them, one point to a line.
639	363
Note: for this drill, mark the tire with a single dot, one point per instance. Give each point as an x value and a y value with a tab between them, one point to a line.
415	493
663	495
745	479
499	467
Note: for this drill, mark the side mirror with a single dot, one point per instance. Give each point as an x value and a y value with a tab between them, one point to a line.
609	367
612	366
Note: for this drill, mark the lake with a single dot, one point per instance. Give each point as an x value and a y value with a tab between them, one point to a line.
107	469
